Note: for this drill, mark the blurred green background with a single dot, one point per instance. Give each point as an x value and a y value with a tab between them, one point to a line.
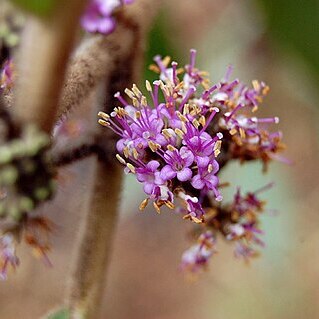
274	41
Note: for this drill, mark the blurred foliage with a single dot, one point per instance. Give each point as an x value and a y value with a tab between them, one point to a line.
159	42
61	314
39	7
295	24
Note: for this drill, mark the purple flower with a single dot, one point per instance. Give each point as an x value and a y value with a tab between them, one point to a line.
6	75
7	254
177	140
178	162
244	251
206	179
149	176
196	257
98	15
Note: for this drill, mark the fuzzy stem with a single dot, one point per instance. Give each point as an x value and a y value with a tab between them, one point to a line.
46	44
96	241
125	50
97	56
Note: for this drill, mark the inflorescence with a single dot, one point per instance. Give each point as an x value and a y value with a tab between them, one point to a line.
177	142
26	181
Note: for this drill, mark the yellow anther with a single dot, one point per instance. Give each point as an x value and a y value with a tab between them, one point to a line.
166	133
171	148
179	86
135	153
126	152
154	68
131	167
153	146
256	85
196	220
210	168
121	112
104	116
233	131
169	204
135	102
143	204
265	90
181	116
202	120
195	123
157	208
242	132
143	101
179	133
204	73
120	159
184	129
186	109
136	91
148	86
166	60
129	93
103	123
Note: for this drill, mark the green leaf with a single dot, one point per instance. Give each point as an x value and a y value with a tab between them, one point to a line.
38	7
295	26
159	43
60	314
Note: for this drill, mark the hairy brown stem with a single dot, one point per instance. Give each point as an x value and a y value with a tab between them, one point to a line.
97	56
92	142
125	49
96	241
45	48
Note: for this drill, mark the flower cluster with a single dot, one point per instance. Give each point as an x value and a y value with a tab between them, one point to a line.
35	231
8	255
6	76
197	256
98	15
177	143
236	222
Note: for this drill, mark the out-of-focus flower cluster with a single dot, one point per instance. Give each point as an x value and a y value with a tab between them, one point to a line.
6	76
177	142
35	232
26	181
98	16
237	221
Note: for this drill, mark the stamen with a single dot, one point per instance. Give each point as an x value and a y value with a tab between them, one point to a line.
256	85
143	204
148	86
180	133
129	93
157	208
131	168
166	133
120	159
202	120
169	204
103	123
104	116
136	91
171	148
195	123
181	117
153	146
